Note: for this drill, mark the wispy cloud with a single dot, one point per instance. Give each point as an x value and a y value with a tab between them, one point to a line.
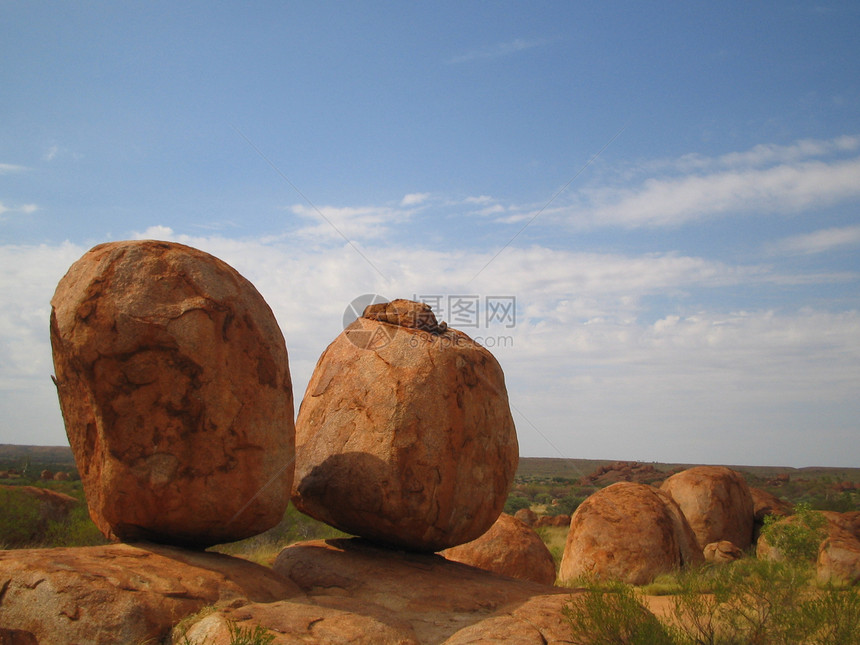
764	154
499	50
7	168
581	346
354	223
676	200
24	209
819	241
414	199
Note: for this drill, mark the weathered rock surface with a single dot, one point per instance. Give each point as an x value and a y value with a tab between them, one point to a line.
628	532
439	600
122	593
527	516
408	442
716	502
556	521
765	504
509	548
722	551
174	386
839	560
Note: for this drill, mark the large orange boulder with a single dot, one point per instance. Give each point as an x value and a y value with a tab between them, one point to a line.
716	502
628	532
509	548
405	434
175	389
838	560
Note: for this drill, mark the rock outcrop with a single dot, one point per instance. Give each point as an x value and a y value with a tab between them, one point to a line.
555	521
408	442
441	601
716	502
721	552
174	385
765	504
628	532
527	516
624	471
510	548
839	560
121	593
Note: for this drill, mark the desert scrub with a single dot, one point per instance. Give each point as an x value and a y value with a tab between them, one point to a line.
21	518
611	614
294	527
760	602
748	602
798	537
555	538
77	529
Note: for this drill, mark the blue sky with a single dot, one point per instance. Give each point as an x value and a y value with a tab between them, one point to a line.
670	194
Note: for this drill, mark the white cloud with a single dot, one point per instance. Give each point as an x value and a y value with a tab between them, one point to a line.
480	199
348	223
7	168
677	200
819	241
157	232
413	199
764	154
586	371
499	50
25	209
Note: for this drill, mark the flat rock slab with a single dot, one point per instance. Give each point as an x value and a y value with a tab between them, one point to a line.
122	593
400	597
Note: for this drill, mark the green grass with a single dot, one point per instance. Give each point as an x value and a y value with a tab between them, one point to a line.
294	527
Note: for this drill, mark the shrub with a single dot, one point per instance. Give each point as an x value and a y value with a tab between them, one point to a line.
797	538
20	519
77	529
565	506
610	614
749	602
515	503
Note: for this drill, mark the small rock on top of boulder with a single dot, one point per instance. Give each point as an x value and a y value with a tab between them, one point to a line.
408	442
175	389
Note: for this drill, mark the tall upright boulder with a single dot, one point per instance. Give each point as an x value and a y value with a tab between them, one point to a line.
716	502
405	434
628	532
174	384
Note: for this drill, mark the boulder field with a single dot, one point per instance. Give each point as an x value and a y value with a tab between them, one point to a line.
629	532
